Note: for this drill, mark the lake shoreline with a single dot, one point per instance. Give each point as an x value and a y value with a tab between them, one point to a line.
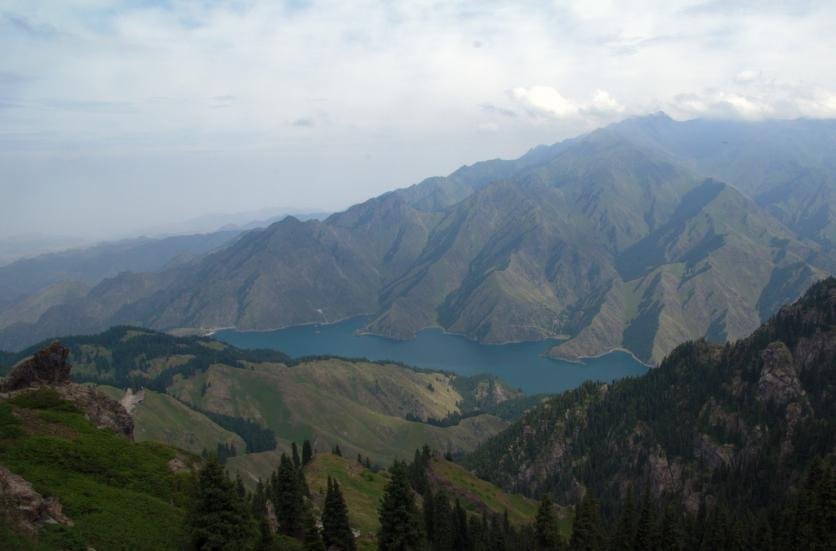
523	365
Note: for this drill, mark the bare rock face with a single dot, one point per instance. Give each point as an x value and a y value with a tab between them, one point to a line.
47	367
99	409
712	454
25	507
779	380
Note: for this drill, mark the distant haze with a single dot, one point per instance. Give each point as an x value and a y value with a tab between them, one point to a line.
117	116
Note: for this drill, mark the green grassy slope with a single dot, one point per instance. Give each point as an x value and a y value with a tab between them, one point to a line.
119	494
477	495
161	418
361	415
363	489
380	410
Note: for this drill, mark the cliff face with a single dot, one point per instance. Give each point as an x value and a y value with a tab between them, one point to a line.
739	422
49	368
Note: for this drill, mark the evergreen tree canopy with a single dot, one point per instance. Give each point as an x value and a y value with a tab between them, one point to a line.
297	462
587	532
546	528
336	530
219	519
442	535
307	452
625	530
312	539
288	494
400	523
644	539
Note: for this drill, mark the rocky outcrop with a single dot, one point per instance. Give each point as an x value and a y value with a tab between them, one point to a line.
47	367
99	409
27	509
778	381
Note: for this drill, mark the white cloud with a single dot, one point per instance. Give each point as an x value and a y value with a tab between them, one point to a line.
758	97
603	104
718	104
545	100
119	92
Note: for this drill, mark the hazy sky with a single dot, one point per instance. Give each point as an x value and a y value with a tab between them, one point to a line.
120	115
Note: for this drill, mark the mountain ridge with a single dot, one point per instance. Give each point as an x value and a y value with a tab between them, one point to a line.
592	238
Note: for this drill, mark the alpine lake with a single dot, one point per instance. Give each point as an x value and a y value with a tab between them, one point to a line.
523	365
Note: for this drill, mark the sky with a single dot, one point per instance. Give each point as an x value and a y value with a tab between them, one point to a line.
121	115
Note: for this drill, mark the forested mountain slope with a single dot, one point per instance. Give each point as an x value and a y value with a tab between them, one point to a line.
738	424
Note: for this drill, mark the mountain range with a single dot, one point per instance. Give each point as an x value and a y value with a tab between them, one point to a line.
640	235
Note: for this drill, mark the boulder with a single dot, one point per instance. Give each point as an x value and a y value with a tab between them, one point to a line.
47	367
25	507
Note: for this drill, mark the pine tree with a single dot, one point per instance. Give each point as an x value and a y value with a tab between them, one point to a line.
312	539
295	455
400	524
496	537
259	499
266	538
337	451
442	538
239	487
586	530
671	534
428	500
547	531
219	518
717	528
336	530
288	498
644	540
625	530
461	532
813	515
476	531
307	452
418	471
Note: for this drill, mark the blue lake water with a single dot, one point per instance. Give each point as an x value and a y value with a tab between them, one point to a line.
520	364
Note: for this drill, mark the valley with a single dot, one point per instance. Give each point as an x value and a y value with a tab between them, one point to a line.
308	275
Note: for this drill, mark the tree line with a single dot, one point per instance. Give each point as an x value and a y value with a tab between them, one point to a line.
414	515
279	514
